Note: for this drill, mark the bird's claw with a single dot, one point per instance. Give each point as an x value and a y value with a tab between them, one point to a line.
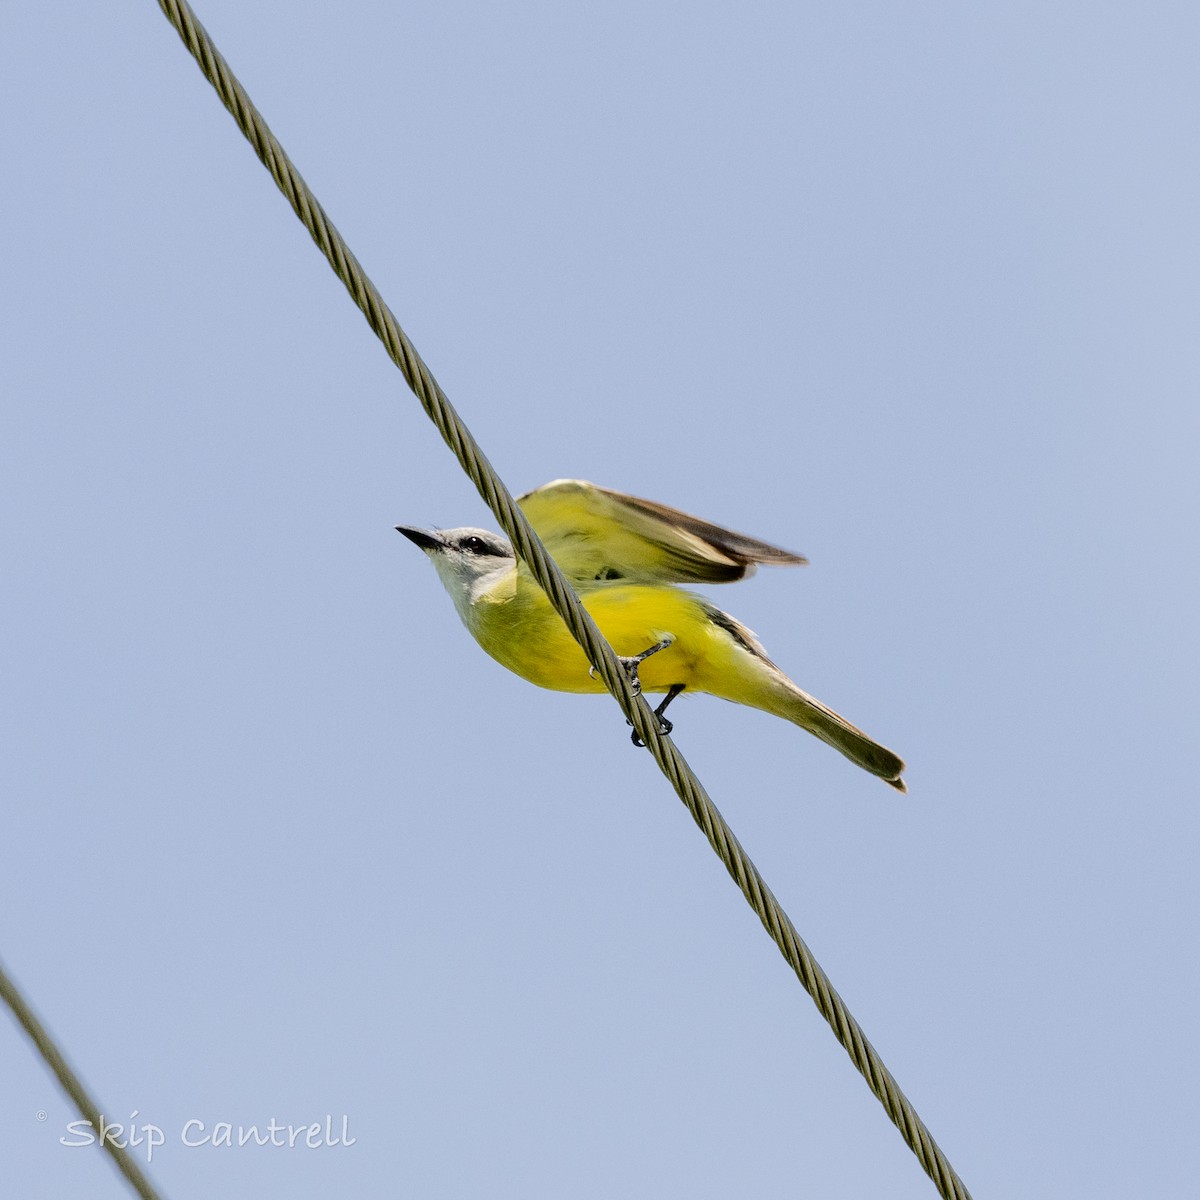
664	727
630	667
631	663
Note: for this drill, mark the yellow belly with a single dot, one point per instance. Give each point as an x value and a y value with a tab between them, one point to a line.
526	635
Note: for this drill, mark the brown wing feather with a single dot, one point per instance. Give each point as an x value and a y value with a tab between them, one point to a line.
598	535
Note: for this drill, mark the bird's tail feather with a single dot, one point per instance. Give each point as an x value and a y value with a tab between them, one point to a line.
809	713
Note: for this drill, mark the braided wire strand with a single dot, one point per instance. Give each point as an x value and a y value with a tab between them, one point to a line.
70	1083
561	595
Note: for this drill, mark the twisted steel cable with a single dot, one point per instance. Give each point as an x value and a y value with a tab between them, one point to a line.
70	1083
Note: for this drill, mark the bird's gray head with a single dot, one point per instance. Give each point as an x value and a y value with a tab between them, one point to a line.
467	560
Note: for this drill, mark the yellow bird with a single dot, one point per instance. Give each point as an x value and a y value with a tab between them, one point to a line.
623	555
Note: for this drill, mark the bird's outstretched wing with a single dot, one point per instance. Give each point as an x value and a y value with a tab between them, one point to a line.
598	535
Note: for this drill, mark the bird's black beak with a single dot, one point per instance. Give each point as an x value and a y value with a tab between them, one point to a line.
426	539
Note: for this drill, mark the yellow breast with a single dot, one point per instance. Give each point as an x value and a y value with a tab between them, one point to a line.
520	630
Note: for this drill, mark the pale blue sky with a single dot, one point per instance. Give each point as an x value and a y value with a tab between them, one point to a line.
909	289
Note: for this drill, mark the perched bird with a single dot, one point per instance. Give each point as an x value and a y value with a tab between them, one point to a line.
623	555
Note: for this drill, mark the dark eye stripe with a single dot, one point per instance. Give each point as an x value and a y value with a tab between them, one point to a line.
482	548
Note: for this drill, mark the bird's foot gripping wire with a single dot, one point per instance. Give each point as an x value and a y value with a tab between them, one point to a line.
631	665
664	726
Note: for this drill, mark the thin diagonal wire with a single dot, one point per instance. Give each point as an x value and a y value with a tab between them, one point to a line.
72	1084
566	603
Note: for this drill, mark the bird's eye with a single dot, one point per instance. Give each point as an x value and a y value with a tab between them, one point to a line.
474	545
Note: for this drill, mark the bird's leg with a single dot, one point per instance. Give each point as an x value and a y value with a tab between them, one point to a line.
664	726
631	664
